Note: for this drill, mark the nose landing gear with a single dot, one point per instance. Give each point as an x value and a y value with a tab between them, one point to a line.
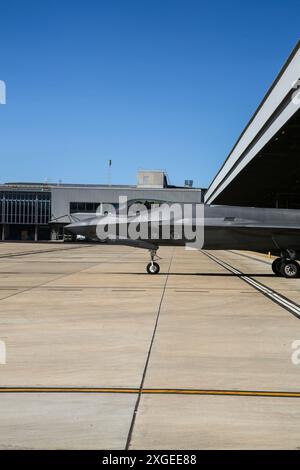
153	267
286	266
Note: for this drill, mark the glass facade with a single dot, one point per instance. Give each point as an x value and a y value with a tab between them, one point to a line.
25	207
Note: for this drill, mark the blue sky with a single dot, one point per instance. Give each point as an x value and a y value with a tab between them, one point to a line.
148	84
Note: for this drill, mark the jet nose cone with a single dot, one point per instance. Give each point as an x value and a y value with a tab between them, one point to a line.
86	227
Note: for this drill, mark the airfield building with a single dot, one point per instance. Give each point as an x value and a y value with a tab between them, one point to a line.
40	211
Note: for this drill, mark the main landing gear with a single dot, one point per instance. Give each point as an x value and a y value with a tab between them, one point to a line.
286	266
153	267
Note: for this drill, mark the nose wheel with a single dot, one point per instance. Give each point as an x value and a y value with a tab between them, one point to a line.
153	267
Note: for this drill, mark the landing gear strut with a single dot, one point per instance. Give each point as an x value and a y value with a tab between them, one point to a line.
153	267
286	266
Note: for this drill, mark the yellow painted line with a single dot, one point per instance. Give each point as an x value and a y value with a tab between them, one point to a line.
151	391
246	393
66	390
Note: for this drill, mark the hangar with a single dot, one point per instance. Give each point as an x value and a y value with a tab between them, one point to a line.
263	168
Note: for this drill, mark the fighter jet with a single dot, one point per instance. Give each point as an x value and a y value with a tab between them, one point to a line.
151	224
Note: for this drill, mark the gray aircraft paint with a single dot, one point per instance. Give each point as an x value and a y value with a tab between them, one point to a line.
218	228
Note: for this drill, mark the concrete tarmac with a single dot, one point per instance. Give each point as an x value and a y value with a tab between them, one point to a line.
88	331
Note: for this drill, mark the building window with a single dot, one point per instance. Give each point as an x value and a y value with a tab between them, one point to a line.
84	207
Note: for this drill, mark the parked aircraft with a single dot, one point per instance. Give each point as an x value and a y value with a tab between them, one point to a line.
151	224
